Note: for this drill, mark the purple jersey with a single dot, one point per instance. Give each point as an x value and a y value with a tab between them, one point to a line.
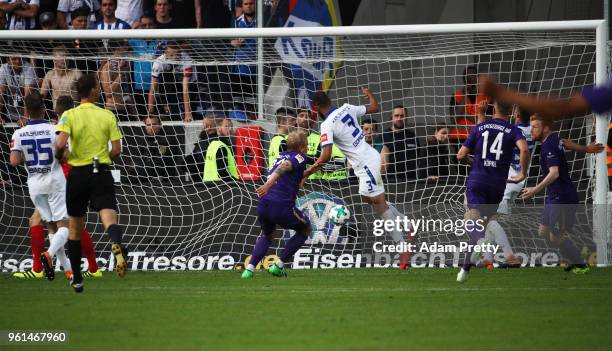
287	186
492	143
599	98
552	154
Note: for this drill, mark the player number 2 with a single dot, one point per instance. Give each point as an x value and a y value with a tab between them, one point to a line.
496	147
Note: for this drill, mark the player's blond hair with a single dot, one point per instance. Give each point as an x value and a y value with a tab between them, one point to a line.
60	50
296	140
546	121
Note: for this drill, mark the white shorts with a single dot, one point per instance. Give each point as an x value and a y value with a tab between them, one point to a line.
370	180
510	193
52	207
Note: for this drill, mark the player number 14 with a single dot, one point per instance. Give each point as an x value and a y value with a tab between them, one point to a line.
496	147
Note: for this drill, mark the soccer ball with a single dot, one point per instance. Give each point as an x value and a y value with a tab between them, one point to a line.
339	214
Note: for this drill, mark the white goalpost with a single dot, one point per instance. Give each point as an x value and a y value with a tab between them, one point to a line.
168	211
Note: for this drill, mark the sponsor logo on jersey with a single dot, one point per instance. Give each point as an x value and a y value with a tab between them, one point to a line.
324	137
299	158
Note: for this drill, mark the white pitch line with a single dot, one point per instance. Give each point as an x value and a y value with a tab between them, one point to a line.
273	289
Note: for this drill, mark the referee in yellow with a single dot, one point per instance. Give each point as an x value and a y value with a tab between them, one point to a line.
90	128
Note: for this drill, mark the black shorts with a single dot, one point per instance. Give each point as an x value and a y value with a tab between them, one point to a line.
83	188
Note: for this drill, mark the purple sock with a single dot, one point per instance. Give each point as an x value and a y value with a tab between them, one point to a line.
570	252
294	244
475	235
466	262
260	249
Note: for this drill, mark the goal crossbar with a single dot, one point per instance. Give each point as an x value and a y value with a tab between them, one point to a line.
304	31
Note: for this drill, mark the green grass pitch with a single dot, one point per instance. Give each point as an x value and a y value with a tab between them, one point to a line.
358	309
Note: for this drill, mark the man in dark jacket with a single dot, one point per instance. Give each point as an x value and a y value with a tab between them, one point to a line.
403	146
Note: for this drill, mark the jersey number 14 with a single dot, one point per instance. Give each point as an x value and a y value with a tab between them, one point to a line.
496	146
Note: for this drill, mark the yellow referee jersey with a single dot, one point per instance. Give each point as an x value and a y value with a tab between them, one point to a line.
90	128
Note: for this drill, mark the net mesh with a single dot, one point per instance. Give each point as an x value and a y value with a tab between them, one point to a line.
167	210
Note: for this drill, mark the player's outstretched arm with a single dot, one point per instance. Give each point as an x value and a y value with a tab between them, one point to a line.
326	152
553	174
482	110
16	158
551	107
115	149
592	148
523	159
151	97
2	92
283	168
60	145
464	154
373	103
186	100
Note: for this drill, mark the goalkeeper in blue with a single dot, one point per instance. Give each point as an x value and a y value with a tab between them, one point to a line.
277	206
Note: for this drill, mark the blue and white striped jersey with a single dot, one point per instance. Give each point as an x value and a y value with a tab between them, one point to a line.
118	24
14	22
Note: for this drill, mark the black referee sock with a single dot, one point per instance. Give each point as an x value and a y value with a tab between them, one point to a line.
115	233
75	254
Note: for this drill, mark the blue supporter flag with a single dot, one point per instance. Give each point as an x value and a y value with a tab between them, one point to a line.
312	62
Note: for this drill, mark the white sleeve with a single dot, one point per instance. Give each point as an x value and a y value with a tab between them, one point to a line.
34	2
30	76
157	68
15	142
327	134
3	75
63	6
187	68
357	111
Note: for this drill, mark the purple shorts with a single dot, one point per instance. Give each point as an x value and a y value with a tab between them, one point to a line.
484	197
560	211
285	214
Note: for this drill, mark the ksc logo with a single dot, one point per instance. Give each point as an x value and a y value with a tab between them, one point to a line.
316	206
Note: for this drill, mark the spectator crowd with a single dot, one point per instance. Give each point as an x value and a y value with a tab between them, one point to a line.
152	81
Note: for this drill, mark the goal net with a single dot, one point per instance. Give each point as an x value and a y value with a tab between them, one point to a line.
171	91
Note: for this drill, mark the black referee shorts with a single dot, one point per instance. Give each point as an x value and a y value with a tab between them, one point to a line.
83	188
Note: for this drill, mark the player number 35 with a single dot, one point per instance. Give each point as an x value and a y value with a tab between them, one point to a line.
37	147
